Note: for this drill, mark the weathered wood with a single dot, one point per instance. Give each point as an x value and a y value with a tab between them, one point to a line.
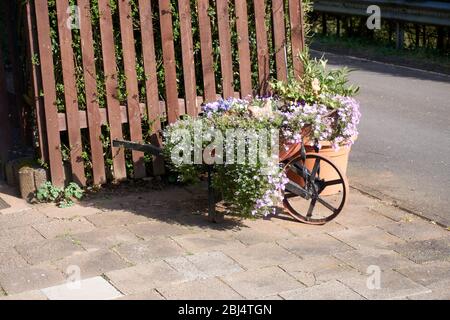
245	72
112	103
187	44
170	71
90	81
297	35
209	80
263	49
226	59
70	93
129	62
49	92
151	83
36	82
279	34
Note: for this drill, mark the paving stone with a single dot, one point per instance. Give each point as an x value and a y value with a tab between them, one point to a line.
205	289
89	289
214	263
58	228
201	242
186	268
301	229
318	269
382	258
314	245
360	216
19	236
29	295
261	255
10	259
115	218
48	250
30	278
144	277
105	238
261	283
370	237
149	251
92	263
393	285
21	219
261	231
427	274
157	229
416	230
427	250
439	291
331	290
146	295
53	211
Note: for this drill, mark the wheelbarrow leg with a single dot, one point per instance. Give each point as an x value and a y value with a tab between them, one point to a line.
213	215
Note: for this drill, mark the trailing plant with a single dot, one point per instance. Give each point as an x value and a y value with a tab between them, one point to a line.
63	197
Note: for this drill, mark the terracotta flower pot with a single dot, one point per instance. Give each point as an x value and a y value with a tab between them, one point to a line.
338	157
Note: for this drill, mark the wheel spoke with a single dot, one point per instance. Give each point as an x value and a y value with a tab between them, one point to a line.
311	207
315	168
297	190
332	182
326	204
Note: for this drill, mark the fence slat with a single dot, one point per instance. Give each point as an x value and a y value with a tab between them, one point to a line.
70	93
297	35
226	59
151	83
36	81
129	62
209	80
279	34
263	50
245	72
49	91
90	80
170	71
190	83
112	103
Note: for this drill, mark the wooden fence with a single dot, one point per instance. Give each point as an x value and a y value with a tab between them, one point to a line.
278	28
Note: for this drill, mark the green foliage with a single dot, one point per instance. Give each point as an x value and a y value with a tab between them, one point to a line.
63	197
319	84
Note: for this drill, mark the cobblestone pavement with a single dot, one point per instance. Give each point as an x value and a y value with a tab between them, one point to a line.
159	245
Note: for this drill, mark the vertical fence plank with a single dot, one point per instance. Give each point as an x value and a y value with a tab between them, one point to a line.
245	72
90	80
170	71
297	35
49	91
279	34
70	93
36	83
263	50
129	61
226	59
209	80
151	83
113	104
190	83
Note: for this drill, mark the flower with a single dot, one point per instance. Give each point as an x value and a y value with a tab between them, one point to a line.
315	85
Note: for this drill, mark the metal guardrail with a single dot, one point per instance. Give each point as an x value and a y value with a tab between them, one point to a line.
421	12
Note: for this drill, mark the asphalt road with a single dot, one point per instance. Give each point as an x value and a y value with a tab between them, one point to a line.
403	150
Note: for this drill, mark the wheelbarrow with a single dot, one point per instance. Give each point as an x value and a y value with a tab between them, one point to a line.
303	198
